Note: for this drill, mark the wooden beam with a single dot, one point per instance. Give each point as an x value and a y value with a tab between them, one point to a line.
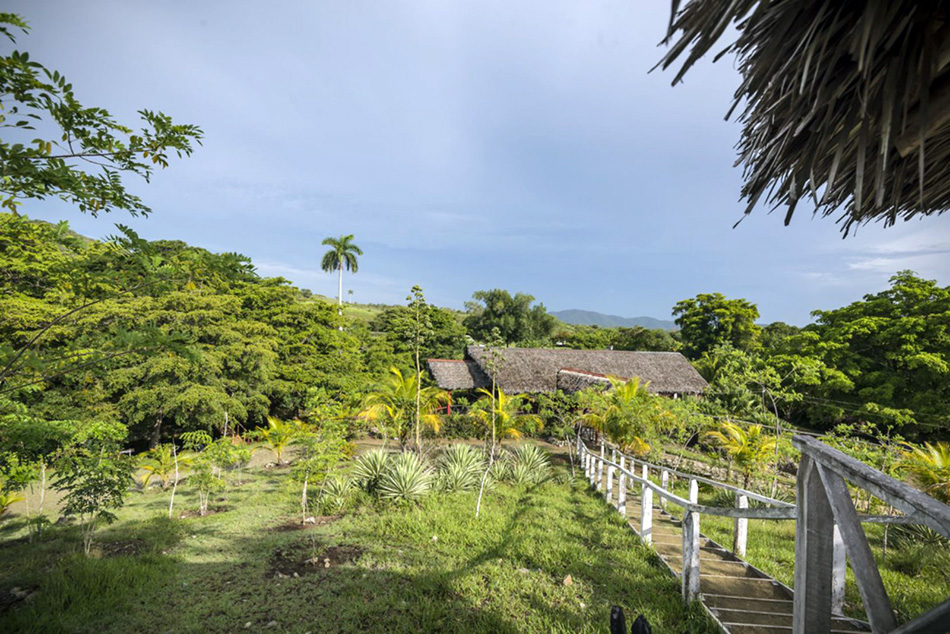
839	569
814	545
740	533
646	515
933	622
622	491
868	577
914	504
690	575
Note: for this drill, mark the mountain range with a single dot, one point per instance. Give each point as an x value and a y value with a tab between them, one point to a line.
591	318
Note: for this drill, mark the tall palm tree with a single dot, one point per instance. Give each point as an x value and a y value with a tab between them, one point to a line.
342	253
748	448
393	403
930	467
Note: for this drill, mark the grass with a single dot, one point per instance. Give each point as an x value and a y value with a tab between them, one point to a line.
426	567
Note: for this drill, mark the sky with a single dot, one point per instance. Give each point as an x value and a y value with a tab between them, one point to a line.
466	145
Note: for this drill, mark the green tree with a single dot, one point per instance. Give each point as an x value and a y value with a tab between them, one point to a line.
748	448
709	319
342	253
83	161
515	318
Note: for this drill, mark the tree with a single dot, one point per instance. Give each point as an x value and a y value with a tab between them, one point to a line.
419	328
278	435
342	253
747	448
514	317
95	477
84	160
504	415
929	466
710	319
392	403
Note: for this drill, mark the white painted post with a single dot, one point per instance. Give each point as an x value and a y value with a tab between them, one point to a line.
600	469
646	515
664	484
622	491
740	533
693	491
690	574
814	546
610	475
645	474
838	568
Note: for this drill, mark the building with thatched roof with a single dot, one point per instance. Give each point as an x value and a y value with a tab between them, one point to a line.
532	370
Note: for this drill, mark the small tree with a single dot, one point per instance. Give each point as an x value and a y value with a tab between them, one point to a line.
95	477
418	330
277	436
321	452
748	449
492	364
204	465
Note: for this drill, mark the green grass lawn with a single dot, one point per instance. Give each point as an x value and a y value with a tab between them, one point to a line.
430	567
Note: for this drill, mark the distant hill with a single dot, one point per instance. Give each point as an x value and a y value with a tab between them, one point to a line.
591	318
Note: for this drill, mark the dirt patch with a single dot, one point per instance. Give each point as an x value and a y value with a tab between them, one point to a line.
211	511
15	596
125	547
322	520
305	558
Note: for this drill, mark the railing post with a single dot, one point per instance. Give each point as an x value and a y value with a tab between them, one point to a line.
690	576
741	531
610	475
646	515
664	484
600	469
645	474
693	491
838	568
814	552
622	491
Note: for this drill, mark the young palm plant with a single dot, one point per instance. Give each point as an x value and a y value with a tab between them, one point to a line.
277	436
392	405
748	448
929	466
509	421
159	463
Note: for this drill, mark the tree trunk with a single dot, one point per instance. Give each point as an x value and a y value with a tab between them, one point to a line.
303	499
156	433
340	292
418	408
171	502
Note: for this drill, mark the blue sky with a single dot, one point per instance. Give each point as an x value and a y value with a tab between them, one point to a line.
467	145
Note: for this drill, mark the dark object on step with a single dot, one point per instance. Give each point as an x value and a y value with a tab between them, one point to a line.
618	622
641	626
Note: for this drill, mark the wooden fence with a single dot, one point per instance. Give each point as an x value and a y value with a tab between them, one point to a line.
826	530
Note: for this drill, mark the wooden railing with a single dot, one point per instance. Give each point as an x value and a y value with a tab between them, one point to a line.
918	509
826	519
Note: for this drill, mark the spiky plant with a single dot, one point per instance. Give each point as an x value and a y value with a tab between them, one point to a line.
460	468
530	465
407	479
929	466
369	468
333	495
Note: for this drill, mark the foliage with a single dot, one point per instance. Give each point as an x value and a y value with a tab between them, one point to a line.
407	478
460	468
87	152
95	477
514	317
321	452
929	466
278	435
529	464
392	404
511	420
160	462
749	448
7	499
342	254
709	319
368	469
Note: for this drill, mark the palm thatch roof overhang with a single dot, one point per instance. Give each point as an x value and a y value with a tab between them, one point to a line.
846	103
452	374
532	370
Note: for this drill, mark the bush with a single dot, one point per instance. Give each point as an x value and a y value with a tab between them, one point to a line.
529	465
407	479
334	495
369	468
460	468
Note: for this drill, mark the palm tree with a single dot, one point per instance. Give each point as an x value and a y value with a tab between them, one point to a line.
342	253
277	435
747	448
159	463
393	403
930	467
509	422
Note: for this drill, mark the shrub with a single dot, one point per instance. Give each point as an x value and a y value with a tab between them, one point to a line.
334	495
407	479
369	469
460	468
530	465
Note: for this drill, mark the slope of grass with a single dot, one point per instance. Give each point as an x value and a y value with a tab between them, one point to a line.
431	567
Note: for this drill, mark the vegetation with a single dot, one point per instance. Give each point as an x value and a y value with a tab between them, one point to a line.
342	254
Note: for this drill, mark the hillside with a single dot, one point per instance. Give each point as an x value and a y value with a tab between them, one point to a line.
592	318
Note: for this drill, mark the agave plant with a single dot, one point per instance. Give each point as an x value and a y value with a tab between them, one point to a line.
460	468
333	495
530	465
407	479
369	468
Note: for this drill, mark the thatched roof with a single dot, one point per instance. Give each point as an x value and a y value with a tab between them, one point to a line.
451	374
570	380
844	102
540	370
